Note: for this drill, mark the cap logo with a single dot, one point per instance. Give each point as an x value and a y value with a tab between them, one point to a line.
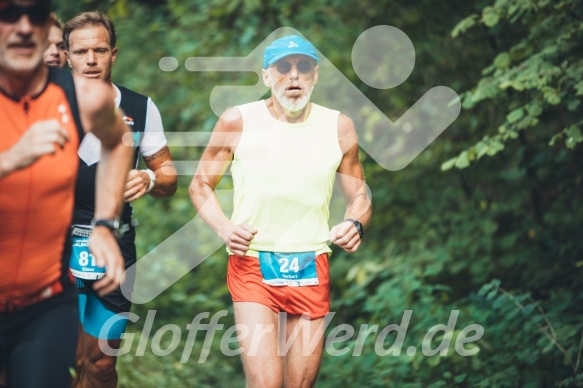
292	44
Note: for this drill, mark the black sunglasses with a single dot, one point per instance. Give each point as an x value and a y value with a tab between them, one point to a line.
285	67
11	13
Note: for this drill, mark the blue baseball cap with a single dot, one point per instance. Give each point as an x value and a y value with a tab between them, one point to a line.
288	45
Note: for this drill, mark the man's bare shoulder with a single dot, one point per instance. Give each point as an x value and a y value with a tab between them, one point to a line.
345	125
346	133
230	121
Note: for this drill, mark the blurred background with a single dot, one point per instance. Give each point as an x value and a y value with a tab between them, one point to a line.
488	220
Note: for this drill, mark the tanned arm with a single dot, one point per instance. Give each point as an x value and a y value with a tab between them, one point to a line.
165	184
214	162
351	180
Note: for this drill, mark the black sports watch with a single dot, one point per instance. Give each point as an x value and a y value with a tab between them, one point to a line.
358	226
112	224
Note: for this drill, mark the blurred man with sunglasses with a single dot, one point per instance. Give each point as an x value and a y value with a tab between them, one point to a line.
44	111
285	153
55	54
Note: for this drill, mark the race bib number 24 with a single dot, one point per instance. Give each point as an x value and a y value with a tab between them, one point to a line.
288	268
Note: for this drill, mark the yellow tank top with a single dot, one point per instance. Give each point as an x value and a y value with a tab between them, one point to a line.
283	176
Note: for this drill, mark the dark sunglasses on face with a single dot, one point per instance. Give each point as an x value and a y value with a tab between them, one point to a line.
11	13
303	66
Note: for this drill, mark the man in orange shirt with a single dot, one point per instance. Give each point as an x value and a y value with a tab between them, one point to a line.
43	112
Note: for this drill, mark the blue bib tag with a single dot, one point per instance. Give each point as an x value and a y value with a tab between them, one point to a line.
82	262
288	269
137	135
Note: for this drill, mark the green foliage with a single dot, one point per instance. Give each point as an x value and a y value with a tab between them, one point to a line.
448	232
537	79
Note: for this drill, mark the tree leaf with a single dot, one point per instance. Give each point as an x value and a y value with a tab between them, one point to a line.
464	25
494	147
463	160
515	115
460	378
573	136
502	60
528	309
449	164
485	289
555	138
490	16
534	109
573	105
481	149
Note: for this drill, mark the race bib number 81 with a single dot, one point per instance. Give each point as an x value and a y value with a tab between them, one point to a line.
289	268
82	262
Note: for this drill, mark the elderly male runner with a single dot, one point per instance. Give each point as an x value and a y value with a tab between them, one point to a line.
55	54
284	153
90	41
44	111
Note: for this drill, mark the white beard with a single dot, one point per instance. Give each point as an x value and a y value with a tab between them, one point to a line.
292	105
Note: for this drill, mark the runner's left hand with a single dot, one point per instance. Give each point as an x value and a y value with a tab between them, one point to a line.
104	248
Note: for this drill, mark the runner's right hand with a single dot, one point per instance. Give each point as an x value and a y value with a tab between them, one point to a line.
136	185
42	138
238	238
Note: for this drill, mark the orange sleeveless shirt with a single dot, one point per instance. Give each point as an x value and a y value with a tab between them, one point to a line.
36	202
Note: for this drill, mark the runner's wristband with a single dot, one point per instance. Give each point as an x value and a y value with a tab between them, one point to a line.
358	226
152	179
113	224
